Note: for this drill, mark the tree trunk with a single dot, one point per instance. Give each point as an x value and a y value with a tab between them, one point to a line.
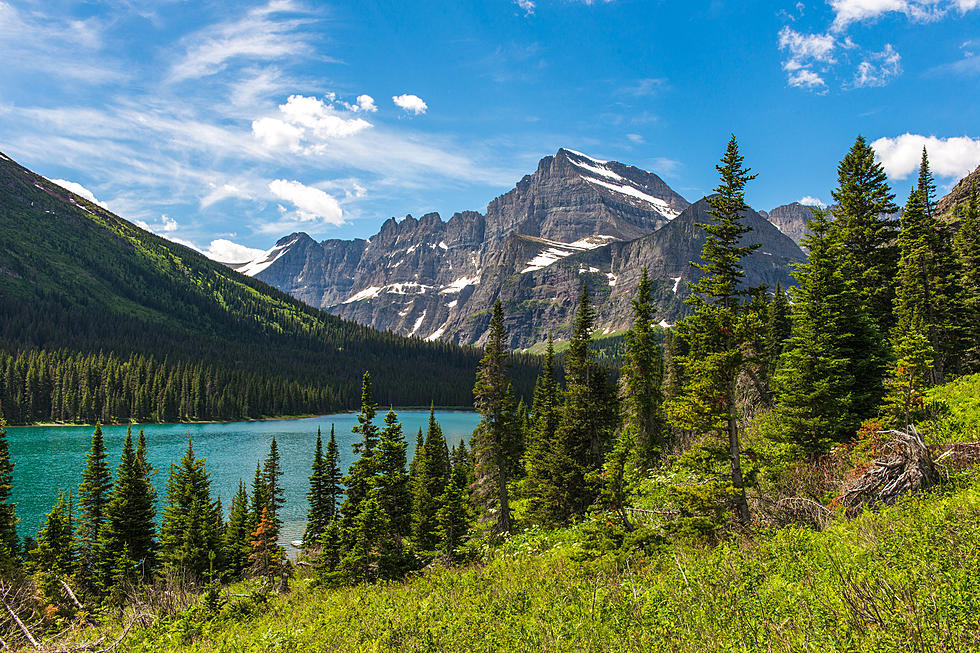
734	455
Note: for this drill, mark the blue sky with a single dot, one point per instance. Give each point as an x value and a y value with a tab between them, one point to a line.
227	125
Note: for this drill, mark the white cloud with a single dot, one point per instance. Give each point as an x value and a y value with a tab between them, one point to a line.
312	204
805	78
526	5
167	225
847	12
225	251
322	119
364	103
263	34
636	138
878	68
410	103
276	134
806	51
223	192
809	200
79	190
948	157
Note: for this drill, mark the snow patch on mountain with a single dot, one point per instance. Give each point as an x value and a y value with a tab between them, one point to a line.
662	207
459	284
368	293
677	283
418	324
259	264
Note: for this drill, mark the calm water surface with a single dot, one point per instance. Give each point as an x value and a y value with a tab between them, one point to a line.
49	458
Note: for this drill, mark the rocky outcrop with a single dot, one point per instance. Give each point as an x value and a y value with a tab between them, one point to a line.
791	219
959	195
575	220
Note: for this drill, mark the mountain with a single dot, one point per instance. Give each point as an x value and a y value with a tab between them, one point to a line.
959	195
84	284
791	219
575	219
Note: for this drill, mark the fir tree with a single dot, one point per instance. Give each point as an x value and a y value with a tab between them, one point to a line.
93	493
829	375
584	427
643	429
864	227
394	491
190	535
432	475
318	514
130	513
968	255
9	544
272	476
454	514
362	473
373	552
266	555
641	383
495	439
237	537
55	550
715	332
913	350
541	438
778	328
926	185
260	495
334	478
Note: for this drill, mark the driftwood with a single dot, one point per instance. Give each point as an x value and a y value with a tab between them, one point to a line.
905	467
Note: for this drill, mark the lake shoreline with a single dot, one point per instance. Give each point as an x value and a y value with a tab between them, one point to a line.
279	418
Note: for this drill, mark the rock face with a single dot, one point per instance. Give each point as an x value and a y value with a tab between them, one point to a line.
959	195
791	219
575	220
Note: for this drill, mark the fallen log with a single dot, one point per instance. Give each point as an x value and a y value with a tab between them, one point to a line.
904	467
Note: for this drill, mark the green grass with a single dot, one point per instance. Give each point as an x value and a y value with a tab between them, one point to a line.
901	579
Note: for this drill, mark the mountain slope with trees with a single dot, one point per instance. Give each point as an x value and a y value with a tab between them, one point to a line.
105	321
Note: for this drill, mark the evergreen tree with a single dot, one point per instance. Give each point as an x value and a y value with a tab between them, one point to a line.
272	476
584	428
130	516
237	540
432	475
266	555
318	515
541	438
394	491
926	185
334	479
9	544
190	535
260	495
968	255
362	473
715	332
864	227
641	383
778	328
643	430
496	438
454	514
93	493
912	348
55	550
373	552
829	375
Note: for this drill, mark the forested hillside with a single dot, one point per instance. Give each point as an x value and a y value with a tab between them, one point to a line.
105	321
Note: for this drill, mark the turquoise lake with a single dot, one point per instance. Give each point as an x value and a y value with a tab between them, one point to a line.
49	458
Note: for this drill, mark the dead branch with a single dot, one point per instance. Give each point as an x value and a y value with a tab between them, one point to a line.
23	628
904	468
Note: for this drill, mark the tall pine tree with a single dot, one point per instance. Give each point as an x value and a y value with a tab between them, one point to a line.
496	438
272	476
9	545
130	526
237	536
829	374
864	226
318	515
968	255
431	477
714	333
190	535
395	494
540	440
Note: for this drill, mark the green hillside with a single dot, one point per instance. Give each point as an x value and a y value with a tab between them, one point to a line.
91	303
